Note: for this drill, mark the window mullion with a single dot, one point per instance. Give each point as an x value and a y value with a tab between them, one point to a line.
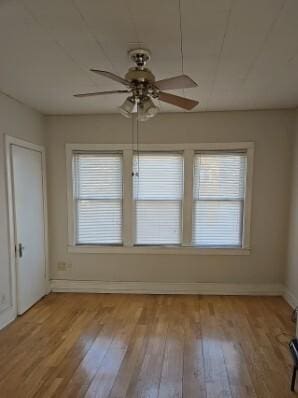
187	198
127	198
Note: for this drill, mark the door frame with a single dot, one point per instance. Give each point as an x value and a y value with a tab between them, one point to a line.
9	141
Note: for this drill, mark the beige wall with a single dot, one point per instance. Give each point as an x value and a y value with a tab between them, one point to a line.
291	279
19	121
272	131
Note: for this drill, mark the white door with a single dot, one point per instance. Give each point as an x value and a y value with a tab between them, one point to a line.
27	179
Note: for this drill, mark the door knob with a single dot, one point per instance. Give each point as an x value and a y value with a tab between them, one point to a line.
21	249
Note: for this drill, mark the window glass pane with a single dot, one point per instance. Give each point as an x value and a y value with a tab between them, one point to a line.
98	176
158	192
158	222
98	196
160	176
99	222
217	223
219	176
219	192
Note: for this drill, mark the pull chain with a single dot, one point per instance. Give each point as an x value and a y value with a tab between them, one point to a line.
135	150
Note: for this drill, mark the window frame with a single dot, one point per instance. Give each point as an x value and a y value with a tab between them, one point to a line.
241	201
76	200
188	150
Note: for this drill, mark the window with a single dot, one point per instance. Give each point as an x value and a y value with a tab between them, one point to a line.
158	192
180	198
98	198
219	191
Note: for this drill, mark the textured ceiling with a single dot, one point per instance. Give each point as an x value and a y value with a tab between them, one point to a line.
242	53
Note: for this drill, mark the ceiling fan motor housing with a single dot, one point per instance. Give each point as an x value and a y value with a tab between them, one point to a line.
140	75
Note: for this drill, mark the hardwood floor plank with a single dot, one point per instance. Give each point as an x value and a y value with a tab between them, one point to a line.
103	381
89	366
130	364
143	346
239	378
172	369
147	384
216	376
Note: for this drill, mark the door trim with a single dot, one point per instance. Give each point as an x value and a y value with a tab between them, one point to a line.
9	140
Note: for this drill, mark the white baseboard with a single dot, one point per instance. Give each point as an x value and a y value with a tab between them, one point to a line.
6	317
290	298
62	285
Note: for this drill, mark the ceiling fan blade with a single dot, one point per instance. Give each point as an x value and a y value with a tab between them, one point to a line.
101	93
111	75
176	82
181	102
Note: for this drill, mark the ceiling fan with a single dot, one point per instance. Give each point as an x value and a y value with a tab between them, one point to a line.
142	88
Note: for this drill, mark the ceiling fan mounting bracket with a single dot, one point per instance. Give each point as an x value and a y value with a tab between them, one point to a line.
140	56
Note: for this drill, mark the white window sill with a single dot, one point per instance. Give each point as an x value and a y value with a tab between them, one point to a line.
159	250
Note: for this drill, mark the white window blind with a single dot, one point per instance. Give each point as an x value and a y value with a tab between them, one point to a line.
98	197
158	192
218	202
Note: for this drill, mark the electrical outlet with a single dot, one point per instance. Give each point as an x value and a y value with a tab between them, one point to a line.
61	266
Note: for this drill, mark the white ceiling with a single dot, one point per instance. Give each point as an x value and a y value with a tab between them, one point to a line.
242	53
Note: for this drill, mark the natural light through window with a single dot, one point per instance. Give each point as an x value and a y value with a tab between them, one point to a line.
219	192
184	198
98	197
158	193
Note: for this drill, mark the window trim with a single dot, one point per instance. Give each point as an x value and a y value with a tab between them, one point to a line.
128	223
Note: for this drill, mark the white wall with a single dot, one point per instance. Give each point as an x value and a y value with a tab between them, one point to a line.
291	280
19	121
272	131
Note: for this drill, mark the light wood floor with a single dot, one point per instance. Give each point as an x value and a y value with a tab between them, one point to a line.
92	345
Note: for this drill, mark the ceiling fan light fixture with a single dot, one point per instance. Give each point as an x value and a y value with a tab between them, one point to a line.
127	108
147	109
142	117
